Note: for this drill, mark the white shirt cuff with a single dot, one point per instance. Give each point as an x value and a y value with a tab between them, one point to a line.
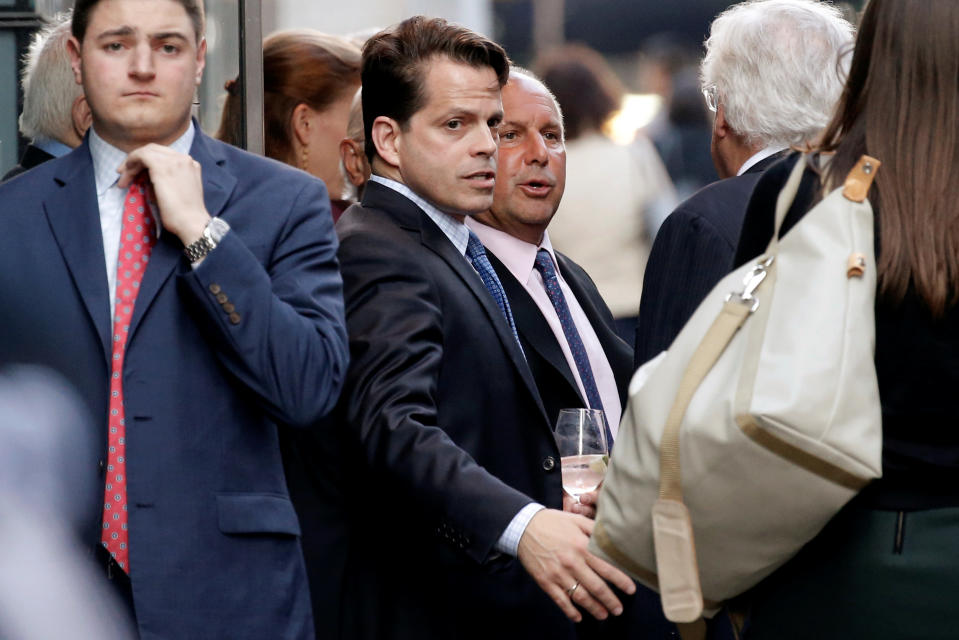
509	541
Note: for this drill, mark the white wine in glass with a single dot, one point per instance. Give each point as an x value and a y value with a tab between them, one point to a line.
581	437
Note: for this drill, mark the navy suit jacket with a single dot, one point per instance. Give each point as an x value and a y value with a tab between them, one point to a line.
214	550
693	250
450	434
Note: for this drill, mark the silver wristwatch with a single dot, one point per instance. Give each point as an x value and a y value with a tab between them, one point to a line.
214	231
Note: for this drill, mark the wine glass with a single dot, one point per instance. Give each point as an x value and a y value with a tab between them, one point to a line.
581	437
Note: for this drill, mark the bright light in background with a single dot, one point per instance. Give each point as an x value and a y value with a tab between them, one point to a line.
638	110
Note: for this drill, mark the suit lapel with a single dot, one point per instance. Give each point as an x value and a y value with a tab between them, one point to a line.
74	216
218	184
409	216
434	239
531	324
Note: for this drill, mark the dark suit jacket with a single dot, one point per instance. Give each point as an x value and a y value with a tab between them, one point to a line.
693	250
32	156
557	386
214	549
451	438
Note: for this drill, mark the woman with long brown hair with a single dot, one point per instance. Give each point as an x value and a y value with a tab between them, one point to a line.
309	80
887	566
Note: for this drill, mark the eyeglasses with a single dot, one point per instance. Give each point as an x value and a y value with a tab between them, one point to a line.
712	97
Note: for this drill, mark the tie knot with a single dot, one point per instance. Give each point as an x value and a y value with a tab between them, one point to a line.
474	248
544	264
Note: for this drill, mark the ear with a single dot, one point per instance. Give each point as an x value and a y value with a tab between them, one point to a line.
73	48
300	122
354	161
200	61
81	115
720	126
387	138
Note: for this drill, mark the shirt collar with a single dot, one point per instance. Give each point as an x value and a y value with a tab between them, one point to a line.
456	231
54	147
516	255
759	157
106	157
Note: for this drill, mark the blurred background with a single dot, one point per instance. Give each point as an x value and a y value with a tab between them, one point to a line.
652	46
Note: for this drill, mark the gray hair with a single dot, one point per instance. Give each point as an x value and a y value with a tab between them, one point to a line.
49	87
778	68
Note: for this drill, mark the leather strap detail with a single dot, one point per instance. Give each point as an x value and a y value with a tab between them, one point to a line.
860	179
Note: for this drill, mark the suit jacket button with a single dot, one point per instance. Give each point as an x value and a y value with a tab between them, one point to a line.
228	307
215	288
549	463
221	298
235	318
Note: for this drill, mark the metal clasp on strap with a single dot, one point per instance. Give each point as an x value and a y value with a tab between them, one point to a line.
751	282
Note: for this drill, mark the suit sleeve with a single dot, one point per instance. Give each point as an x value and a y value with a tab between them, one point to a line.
688	258
397	350
279	328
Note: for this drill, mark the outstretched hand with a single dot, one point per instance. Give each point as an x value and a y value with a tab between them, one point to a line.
553	551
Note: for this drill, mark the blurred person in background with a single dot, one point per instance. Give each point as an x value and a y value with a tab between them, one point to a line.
772	74
601	222
887	566
55	112
309	80
353	161
681	129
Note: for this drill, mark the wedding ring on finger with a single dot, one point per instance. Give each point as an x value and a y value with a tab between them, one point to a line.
572	590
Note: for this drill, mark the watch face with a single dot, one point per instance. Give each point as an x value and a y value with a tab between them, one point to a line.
216	229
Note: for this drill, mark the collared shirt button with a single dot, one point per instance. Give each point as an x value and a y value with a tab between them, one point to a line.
549	463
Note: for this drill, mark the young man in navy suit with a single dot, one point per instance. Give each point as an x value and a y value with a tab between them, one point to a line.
197	285
456	458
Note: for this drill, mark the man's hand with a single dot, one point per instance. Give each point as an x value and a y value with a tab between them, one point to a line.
553	551
177	181
586	505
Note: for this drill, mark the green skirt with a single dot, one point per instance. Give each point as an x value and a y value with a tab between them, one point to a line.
869	574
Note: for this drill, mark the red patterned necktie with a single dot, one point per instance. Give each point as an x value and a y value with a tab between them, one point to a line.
137	237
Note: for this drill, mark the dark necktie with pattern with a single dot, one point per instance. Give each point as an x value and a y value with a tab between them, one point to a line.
544	264
137	237
477	257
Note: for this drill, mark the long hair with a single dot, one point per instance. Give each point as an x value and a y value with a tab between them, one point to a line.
300	66
901	105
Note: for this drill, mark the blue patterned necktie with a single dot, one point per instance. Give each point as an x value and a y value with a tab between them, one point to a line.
477	257
544	264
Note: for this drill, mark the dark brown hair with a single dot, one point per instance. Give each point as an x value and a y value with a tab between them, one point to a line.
300	66
394	60
901	106
585	85
83	8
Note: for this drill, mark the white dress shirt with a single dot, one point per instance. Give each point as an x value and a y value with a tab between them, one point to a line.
519	256
106	160
757	157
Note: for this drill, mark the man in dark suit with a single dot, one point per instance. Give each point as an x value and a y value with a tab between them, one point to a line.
530	177
772	76
456	454
194	340
55	112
